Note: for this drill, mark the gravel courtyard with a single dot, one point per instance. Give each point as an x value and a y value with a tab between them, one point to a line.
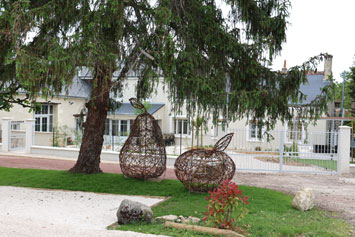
40	212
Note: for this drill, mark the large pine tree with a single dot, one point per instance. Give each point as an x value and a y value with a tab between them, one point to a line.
214	60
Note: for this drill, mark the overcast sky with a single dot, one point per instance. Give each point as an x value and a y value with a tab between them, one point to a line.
320	26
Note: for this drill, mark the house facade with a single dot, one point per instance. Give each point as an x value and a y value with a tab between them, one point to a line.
251	135
61	113
56	115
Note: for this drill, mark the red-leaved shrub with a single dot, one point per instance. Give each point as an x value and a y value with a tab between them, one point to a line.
225	204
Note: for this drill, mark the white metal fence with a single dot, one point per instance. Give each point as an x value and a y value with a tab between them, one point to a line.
17	135
284	151
113	143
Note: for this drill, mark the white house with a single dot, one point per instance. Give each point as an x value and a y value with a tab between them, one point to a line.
179	125
62	112
55	113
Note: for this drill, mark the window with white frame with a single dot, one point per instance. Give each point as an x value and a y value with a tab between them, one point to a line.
181	126
294	131
116	127
78	124
255	131
107	127
15	125
44	118
124	128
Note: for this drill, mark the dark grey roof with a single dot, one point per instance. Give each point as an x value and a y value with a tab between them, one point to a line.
79	89
313	87
86	74
127	109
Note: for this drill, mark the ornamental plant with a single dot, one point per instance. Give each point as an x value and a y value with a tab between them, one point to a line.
225	205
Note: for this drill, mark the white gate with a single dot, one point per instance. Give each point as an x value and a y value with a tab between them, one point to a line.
284	151
17	135
114	143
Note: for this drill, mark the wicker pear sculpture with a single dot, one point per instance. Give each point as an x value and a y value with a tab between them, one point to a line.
202	170
143	155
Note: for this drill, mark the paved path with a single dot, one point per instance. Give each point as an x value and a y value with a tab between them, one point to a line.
21	161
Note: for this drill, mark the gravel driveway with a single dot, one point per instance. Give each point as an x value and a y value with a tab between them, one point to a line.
40	212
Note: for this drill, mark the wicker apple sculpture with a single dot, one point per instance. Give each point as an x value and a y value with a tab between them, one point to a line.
202	170
143	155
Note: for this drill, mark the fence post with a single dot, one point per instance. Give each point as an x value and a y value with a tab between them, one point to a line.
344	150
6	132
29	134
281	149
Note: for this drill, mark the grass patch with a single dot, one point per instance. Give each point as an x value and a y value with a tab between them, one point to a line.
160	229
326	164
295	161
270	212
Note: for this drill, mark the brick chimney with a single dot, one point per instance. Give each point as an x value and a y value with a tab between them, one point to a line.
328	66
284	69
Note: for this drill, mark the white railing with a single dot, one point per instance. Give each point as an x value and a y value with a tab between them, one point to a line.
17	135
18	140
284	151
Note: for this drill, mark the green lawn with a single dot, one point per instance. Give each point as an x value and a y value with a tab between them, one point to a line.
295	161
327	164
270	212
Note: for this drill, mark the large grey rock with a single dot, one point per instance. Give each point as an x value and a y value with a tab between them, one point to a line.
130	211
304	199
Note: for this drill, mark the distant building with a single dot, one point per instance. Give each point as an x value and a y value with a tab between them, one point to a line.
63	111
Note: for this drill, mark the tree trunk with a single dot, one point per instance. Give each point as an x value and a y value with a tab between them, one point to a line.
90	150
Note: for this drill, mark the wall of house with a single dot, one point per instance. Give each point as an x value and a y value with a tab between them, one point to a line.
312	135
43	139
241	139
63	119
65	111
159	96
17	112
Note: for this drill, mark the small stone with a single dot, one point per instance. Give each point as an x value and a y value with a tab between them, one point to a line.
191	219
304	199
182	218
130	211
166	218
194	219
